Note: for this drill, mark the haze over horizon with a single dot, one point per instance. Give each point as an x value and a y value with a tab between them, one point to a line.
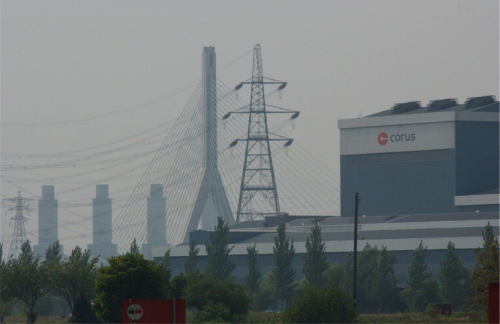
82	76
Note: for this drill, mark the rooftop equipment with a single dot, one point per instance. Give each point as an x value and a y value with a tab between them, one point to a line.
400	108
476	102
435	105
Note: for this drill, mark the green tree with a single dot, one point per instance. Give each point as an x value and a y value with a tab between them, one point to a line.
338	275
219	264
265	297
178	286
253	277
485	272
367	262
423	289
5	294
53	254
283	274
127	276
315	262
44	305
4	297
327	304
213	313
76	277
165	262
82	312
27	279
166	265
192	259
488	236
134	248
375	278
341	275
383	279
454	278
203	290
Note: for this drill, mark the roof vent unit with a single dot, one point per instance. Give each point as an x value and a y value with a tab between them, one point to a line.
476	102
400	108
435	105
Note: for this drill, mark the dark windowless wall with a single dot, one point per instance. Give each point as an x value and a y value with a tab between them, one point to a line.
425	178
401	183
477	157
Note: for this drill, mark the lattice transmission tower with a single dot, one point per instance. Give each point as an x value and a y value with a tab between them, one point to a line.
19	235
258	179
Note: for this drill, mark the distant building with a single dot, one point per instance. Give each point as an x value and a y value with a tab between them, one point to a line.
424	174
102	225
47	221
156	220
442	158
400	234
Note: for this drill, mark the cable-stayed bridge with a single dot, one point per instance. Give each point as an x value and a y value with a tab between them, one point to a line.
192	158
197	153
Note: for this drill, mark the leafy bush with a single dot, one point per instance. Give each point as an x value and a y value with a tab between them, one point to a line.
326	304
44	305
213	313
265	300
127	276
83	312
205	291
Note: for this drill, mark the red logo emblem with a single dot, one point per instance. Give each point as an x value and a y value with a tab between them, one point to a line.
383	138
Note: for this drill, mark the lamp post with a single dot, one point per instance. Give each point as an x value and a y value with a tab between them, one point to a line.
355	263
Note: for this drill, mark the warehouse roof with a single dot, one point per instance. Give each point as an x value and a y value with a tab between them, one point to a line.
475	104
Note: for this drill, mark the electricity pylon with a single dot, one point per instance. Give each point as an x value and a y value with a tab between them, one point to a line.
19	235
258	172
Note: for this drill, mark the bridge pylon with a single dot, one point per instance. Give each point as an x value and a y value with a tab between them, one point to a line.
209	199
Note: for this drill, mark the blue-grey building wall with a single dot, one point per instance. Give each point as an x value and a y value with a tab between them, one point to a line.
477	157
266	262
388	184
398	188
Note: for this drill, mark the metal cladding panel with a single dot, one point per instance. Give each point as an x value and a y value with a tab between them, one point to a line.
397	138
399	188
477	157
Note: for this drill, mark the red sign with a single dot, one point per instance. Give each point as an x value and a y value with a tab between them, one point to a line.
154	311
383	138
493	303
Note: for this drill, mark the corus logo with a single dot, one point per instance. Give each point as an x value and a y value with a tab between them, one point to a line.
383	138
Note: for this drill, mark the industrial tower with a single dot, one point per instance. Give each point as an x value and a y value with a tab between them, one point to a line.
47	221
155	221
102	224
258	172
209	200
19	235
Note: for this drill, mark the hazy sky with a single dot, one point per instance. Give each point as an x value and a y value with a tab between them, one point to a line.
77	74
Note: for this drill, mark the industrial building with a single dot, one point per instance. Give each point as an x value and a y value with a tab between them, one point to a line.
425	174
400	234
102	224
47	221
442	158
156	220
